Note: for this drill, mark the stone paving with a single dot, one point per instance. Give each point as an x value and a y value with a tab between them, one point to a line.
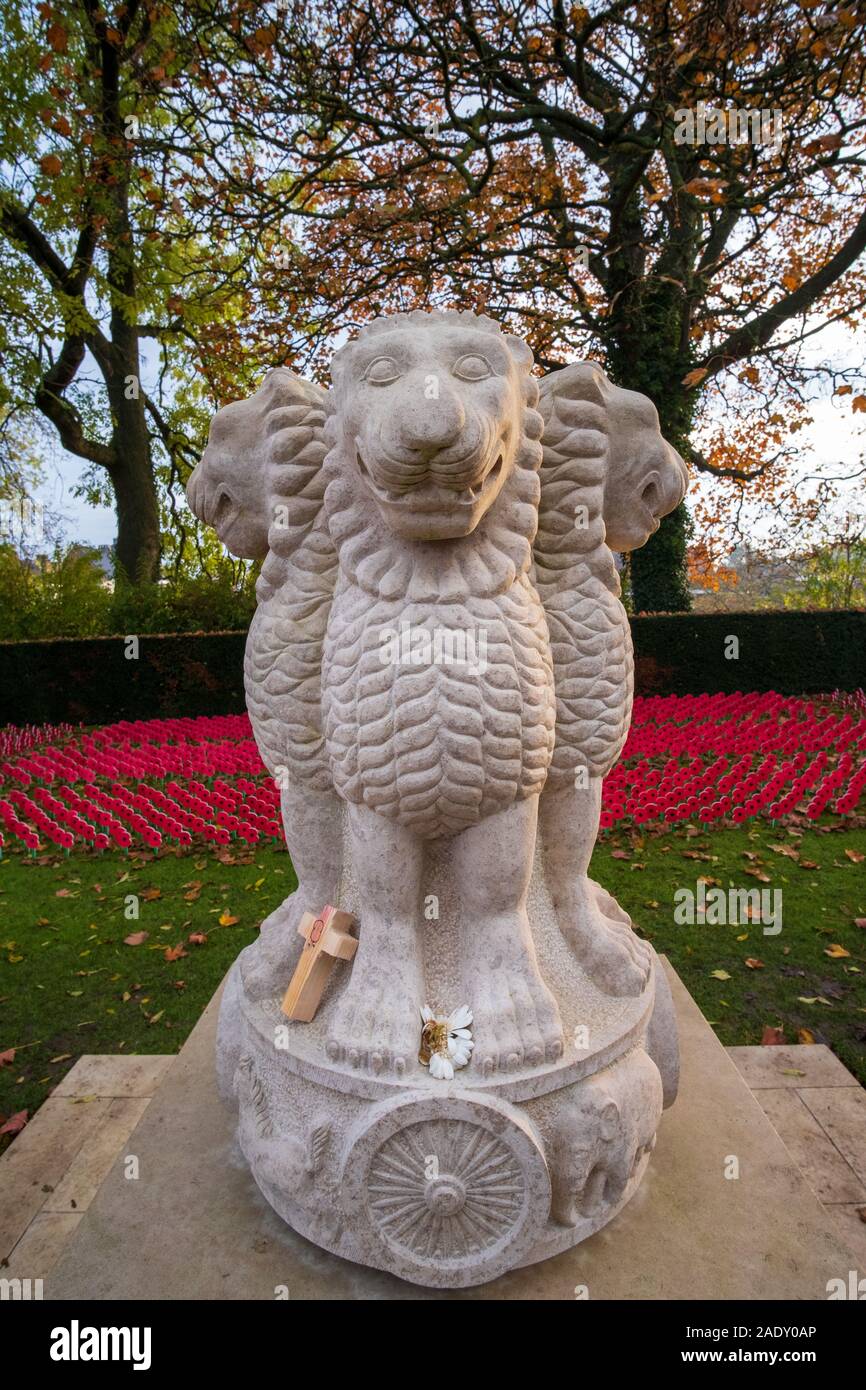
51	1173
819	1110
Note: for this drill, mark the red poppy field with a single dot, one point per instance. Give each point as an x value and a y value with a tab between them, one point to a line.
175	783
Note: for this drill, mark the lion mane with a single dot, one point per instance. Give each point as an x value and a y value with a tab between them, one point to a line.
577	579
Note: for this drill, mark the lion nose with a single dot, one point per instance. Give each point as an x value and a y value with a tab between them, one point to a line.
429	425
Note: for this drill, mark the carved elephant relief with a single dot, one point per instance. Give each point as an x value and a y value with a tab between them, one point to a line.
605	1126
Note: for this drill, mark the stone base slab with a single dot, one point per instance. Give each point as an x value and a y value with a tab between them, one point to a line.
195	1226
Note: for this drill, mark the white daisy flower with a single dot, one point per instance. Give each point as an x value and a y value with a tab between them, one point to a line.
446	1043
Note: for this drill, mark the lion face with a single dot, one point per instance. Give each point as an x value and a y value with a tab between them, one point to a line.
432	422
646	476
225	487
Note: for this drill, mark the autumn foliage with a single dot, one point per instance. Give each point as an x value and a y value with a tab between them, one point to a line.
293	169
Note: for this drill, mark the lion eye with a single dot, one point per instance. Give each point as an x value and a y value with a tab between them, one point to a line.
472	367
382	371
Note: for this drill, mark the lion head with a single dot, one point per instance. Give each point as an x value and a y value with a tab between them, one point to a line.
646	477
432	410
260	453
643	477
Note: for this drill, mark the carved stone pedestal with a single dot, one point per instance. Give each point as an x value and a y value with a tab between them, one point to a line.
450	1184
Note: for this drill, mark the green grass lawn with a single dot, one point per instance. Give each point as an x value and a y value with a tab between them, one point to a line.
69	983
820	906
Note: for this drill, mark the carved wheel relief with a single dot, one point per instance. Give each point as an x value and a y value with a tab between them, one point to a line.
446	1186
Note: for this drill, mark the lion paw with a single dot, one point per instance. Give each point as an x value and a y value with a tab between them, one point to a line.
600	935
268	963
376	1027
516	1020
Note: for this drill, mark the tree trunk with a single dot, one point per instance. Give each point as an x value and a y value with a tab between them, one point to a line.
659	577
136	501
138	546
649	350
137	506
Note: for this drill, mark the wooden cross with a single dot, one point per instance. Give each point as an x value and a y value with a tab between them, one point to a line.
328	939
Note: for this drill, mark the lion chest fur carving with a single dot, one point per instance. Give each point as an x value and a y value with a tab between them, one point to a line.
439	651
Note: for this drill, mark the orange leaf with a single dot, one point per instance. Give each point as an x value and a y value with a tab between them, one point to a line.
836	952
226	919
7	1058
57	38
772	1037
806	1036
855	856
136	939
693	378
174	952
197	938
753	963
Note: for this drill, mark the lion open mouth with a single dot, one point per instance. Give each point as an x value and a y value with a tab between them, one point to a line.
435	495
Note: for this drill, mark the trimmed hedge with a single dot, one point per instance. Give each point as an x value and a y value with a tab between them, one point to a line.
793	652
91	681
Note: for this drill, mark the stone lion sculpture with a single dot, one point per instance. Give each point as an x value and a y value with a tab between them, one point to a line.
439	494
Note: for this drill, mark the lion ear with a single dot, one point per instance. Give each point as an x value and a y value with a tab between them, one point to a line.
520	351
